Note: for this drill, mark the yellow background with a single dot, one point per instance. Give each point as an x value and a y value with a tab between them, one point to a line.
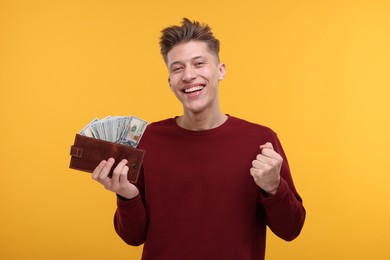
317	72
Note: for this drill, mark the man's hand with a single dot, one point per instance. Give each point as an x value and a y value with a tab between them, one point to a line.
266	169
118	183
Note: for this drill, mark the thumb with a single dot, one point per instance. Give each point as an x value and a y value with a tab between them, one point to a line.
267	145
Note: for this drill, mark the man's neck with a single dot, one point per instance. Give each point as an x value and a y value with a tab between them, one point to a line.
201	121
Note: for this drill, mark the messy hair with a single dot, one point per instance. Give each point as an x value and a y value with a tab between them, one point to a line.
188	31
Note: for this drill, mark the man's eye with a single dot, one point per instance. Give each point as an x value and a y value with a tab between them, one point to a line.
177	69
199	64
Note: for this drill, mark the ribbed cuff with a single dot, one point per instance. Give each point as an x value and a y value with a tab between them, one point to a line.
282	192
124	203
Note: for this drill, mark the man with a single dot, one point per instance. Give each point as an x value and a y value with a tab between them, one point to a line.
211	183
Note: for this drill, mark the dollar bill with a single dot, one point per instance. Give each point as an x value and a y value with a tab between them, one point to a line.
87	129
133	132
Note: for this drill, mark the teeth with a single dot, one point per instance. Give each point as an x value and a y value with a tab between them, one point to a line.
188	90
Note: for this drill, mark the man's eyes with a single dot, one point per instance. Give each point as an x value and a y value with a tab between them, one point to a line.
197	64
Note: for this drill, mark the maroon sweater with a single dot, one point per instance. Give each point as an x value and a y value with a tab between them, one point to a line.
198	200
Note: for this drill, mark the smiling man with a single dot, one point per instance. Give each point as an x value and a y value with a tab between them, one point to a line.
194	76
211	183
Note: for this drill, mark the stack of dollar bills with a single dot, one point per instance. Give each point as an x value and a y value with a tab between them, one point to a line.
126	130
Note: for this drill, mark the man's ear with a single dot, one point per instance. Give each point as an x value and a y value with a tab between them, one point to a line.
222	71
169	82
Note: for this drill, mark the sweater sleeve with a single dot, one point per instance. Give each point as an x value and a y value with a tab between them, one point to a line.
284	211
130	219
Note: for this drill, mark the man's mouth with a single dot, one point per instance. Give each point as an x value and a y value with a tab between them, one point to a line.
193	89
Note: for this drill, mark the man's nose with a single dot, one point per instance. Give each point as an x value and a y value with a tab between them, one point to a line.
189	73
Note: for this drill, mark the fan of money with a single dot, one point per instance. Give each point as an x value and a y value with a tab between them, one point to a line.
126	130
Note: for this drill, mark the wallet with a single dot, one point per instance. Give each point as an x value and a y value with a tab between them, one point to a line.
87	152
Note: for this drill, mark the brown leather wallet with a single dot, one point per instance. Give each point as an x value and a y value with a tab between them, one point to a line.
87	152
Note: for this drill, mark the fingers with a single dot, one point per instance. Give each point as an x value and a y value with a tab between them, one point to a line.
119	175
266	160
267	150
266	157
267	145
102	170
260	164
118	182
98	169
266	168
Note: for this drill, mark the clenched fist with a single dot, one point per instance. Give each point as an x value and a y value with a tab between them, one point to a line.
266	169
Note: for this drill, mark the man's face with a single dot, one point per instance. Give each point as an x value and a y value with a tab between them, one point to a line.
194	73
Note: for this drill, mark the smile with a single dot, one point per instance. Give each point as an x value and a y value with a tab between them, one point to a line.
193	89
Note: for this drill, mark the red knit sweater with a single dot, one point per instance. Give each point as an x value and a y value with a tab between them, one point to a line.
197	199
